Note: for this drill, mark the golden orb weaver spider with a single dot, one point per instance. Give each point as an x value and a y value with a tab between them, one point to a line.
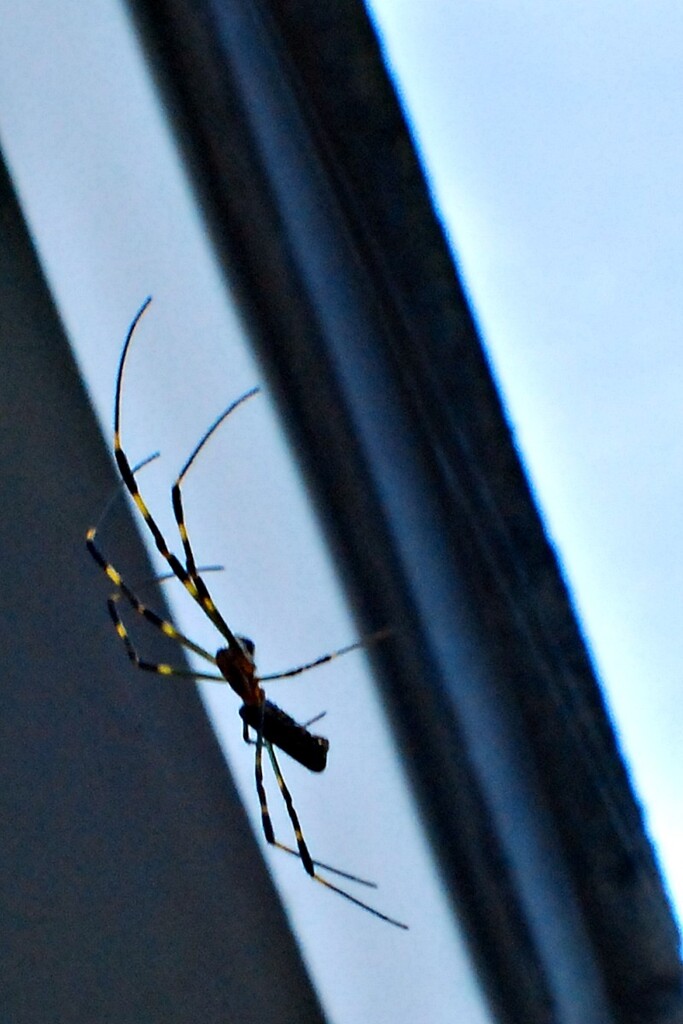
235	660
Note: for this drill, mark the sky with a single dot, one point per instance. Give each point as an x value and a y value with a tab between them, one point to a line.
551	139
552	136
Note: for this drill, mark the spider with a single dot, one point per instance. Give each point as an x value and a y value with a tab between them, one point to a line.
235	660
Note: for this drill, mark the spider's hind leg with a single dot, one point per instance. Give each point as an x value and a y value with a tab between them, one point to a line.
302	851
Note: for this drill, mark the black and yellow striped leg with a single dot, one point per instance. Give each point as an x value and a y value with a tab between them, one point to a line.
365	642
176	495
302	852
159	668
177	502
268	830
302	849
163	625
194	585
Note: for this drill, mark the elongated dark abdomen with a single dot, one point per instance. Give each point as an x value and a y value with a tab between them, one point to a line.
283	732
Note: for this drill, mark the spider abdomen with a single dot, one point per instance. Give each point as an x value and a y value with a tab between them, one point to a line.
284	732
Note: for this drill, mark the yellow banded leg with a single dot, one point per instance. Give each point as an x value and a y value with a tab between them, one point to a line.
163	625
365	642
306	859
131	486
302	852
192	582
176	495
302	848
160	668
266	822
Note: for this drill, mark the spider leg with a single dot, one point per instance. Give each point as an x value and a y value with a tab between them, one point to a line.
194	585
302	851
163	625
176	495
268	830
160	668
382	634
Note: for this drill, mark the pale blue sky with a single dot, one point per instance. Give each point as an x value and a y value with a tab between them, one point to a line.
553	137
